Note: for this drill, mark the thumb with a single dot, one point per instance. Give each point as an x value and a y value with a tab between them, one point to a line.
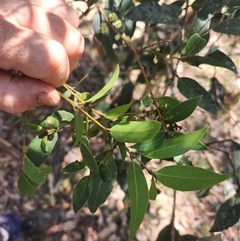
21	93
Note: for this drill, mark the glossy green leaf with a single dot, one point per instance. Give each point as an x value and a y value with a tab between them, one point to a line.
190	88
145	102
166	103
153	190
102	189
74	166
152	12
227	215
188	178
178	145
182	110
229	26
63	116
78	127
151	144
88	159
81	192
117	111
194	45
138	192
201	22
26	186
30	127
35	152
216	58
135	131
33	172
104	91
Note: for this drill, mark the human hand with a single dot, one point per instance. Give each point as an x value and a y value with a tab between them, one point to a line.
38	38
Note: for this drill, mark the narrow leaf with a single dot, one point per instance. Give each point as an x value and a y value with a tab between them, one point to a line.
177	146
152	12
229	26
190	88
151	144
102	189
35	152
30	127
201	22
104	91
194	45
117	111
216	58
182	110
138	192
26	186
63	116
88	159
33	172
153	190
74	167
166	103
135	131
188	178
82	192
78	127
227	215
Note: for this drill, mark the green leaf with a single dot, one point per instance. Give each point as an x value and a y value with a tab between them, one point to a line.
135	131
105	172
45	170
177	146
30	127
145	102
229	26
153	190
35	152
183	160
166	103
78	127
201	22
188	178
182	110
26	186
117	111
138	192
63	116
151	144
227	215
50	123
88	159
102	189
104	91
74	167
194	45
81	192
122	149
216	58
190	88
152	12
33	172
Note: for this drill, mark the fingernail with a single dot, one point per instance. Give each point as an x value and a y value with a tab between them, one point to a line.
44	99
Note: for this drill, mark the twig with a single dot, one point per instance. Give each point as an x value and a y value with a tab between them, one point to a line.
173	233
